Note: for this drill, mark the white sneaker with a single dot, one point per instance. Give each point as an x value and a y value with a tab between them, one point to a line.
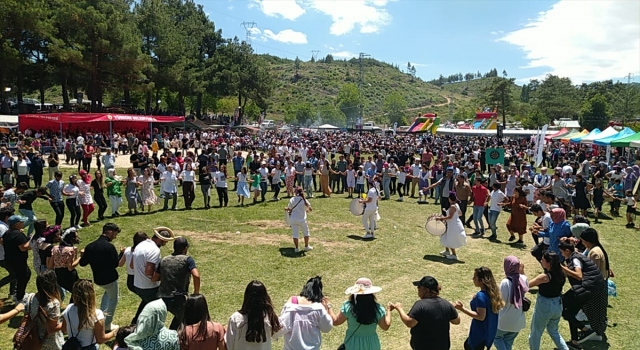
367	236
308	248
452	257
77	227
445	252
297	250
401	199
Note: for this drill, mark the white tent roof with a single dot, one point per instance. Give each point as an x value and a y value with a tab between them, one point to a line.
567	124
635	144
9	119
610	131
327	126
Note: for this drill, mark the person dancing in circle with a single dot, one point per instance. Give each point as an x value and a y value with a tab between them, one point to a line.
455	236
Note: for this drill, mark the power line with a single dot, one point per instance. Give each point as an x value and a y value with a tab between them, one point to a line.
314	54
248	26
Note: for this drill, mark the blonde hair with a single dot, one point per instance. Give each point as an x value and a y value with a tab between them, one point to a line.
485	277
84	298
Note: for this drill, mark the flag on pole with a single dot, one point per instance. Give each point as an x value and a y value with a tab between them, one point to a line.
543	132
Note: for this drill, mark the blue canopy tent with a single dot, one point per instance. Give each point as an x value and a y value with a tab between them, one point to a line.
577	139
607	140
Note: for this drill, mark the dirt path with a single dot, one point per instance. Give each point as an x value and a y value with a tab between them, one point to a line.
436	105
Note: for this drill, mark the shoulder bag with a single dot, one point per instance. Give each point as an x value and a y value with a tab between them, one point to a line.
27	336
342	346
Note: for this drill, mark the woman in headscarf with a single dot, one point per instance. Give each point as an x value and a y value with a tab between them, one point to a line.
629	179
85	199
558	228
511	317
150	330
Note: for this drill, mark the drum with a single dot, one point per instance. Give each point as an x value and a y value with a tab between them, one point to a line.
435	227
356	207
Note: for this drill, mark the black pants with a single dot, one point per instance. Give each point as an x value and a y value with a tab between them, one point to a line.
223	196
315	186
102	205
444	204
392	185
37	180
343	178
74	210
58	208
188	193
468	347
174	196
463	209
176	306
146	296
570	308
130	285
334	183
9	279
400	189
276	190
23	178
22	274
235	183
86	164
263	189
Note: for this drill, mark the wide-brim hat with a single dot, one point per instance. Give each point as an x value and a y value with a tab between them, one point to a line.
164	233
362	286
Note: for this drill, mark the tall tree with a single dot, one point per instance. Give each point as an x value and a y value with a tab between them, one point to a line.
556	97
296	65
498	93
300	114
394	107
595	113
349	101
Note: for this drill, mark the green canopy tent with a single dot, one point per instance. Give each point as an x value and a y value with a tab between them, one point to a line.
625	141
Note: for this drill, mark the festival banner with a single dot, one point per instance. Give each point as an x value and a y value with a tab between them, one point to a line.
541	143
494	156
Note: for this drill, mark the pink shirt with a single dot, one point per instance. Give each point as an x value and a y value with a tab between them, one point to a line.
215	333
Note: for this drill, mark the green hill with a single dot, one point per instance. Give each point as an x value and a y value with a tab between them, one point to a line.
318	83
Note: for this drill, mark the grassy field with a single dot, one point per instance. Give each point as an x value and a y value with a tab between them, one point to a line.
234	245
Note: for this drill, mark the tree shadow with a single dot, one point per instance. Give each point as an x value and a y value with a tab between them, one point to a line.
291	253
441	259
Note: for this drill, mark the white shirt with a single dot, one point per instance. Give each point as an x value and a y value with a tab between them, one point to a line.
264	174
220	179
235	337
531	191
497	196
169	182
108	160
374	194
510	319
546	222
299	209
416	170
128	255
402	177
145	252
303	325
73	189
85	336
275	176
3	229
188	175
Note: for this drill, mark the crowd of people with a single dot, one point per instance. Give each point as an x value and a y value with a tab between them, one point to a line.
451	171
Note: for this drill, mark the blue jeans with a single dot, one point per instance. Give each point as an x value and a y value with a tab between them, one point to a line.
31	218
386	182
477	218
493	219
109	302
308	185
504	340
546	314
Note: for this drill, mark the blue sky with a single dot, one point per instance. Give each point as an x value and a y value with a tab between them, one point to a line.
586	41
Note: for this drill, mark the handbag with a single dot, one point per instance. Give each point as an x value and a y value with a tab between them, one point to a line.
27	336
342	346
526	304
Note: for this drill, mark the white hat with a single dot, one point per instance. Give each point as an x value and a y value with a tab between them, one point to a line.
362	286
164	233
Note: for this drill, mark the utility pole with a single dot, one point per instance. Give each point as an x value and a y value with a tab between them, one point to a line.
314	54
248	26
626	102
361	81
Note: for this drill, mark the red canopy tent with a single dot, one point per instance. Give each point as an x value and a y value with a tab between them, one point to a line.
560	132
98	121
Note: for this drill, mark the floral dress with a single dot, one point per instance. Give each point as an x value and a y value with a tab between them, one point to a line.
52	310
148	193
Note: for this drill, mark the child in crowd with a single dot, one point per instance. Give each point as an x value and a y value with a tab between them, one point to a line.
123	332
630	201
7	179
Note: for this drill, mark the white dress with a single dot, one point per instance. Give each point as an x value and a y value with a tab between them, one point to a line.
455	236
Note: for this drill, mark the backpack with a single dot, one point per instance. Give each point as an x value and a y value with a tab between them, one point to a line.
72	342
27	336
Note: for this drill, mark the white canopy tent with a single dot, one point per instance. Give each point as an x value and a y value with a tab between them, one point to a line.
327	127
8	121
635	144
588	140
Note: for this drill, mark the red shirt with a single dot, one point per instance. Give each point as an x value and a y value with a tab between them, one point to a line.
480	194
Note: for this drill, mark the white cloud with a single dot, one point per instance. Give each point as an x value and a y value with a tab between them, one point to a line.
286	36
369	15
583	40
499	32
343	54
289	9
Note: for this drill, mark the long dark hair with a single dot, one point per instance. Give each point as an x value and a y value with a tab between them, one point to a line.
312	290
257	305
46	284
365	309
593	238
555	270
196	312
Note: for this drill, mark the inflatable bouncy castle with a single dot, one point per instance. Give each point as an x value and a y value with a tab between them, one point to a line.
428	122
486	119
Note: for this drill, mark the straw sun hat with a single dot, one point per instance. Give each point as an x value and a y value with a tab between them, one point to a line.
362	286
164	233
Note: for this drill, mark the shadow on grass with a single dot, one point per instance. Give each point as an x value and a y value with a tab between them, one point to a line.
291	253
359	238
441	259
596	345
